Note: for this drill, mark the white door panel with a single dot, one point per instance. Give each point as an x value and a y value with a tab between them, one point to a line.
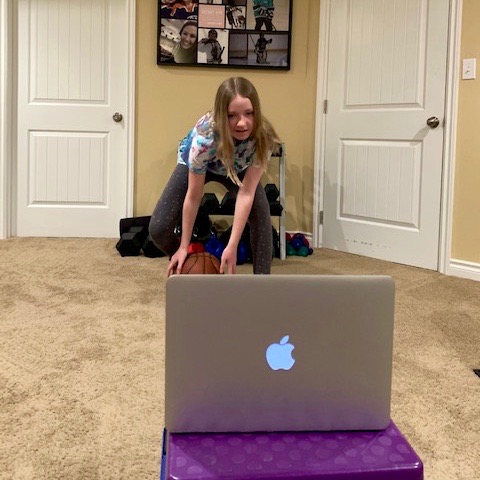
72	157
383	164
381	181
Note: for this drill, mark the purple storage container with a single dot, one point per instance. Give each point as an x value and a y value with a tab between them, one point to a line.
359	455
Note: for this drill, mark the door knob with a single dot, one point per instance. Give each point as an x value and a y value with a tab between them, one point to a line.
433	122
117	117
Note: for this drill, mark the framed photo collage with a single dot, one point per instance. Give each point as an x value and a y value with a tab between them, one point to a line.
225	33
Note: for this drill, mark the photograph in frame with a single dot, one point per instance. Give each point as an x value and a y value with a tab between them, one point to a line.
225	33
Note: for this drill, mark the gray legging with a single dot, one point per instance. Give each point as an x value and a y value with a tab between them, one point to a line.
169	209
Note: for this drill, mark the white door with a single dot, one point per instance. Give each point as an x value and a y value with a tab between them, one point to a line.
73	174
383	163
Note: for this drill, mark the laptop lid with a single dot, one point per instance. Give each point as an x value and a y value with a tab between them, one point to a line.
251	353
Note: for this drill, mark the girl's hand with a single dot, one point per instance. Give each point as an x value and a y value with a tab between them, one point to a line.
177	261
229	260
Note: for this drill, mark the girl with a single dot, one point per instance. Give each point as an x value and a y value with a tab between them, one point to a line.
230	145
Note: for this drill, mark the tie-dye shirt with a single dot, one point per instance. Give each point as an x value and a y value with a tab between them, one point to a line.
198	150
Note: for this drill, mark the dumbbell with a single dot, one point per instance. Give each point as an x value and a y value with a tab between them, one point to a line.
131	242
275	209
276	243
150	250
272	193
201	227
214	246
244	251
210	203
227	207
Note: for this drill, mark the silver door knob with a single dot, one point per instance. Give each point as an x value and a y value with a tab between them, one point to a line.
433	122
117	117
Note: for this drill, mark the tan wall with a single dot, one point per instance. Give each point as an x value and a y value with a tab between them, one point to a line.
466	205
169	101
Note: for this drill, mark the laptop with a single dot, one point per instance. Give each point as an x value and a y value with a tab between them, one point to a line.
262	353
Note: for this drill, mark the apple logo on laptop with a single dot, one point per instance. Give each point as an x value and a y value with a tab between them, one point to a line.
279	355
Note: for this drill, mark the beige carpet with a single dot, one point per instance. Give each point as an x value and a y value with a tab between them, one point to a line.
82	351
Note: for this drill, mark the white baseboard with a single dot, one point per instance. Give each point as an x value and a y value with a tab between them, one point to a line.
464	269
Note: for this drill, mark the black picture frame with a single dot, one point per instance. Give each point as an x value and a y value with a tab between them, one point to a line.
224	33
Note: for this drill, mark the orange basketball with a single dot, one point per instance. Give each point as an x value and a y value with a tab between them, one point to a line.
200	263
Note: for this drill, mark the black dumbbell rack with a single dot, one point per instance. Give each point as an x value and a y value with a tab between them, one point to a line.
281	187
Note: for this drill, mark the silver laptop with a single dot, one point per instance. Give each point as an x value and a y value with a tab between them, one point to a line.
249	353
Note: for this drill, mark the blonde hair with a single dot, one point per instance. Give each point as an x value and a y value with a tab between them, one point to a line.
267	140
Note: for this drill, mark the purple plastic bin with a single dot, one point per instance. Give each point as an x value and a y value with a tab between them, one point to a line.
365	455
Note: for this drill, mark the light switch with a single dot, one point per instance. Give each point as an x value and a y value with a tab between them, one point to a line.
469	68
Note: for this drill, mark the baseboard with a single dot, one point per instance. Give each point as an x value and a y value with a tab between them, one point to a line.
464	269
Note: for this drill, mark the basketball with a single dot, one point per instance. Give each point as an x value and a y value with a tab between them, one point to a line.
200	263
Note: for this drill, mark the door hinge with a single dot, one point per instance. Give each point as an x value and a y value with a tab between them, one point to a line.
325	106
320	218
